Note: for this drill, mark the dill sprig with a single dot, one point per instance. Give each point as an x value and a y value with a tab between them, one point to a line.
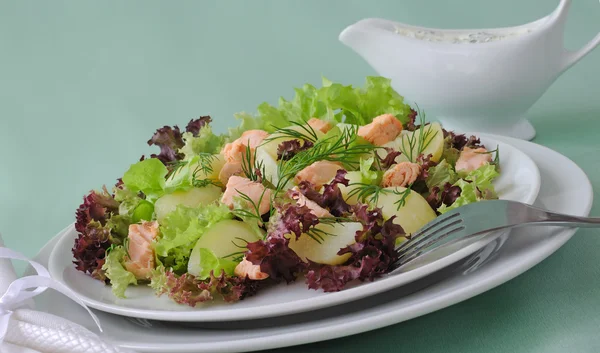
238	256
253	213
252	168
497	157
319	235
205	162
306	133
417	143
344	149
496	160
367	193
174	167
204	167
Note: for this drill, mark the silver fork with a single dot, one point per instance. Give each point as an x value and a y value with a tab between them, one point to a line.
480	218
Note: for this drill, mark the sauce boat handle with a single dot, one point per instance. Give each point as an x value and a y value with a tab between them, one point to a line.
571	57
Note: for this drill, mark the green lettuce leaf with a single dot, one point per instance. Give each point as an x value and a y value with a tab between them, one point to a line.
119	277
181	179
210	262
305	105
128	199
450	154
368	176
205	142
119	226
158	280
182	228
332	102
441	174
483	177
468	195
475	186
147	176
360	105
247	122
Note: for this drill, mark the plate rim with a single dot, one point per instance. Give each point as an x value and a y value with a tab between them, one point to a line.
299	305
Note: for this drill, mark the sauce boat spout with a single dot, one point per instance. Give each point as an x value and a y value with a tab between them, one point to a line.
363	35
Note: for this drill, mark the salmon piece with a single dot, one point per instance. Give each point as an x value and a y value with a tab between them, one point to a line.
314	208
471	159
234	151
318	124
318	173
383	129
401	174
228	170
253	190
140	253
247	268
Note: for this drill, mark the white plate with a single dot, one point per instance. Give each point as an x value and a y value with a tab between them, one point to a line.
490	267
519	181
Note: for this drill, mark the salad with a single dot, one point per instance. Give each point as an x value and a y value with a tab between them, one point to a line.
321	188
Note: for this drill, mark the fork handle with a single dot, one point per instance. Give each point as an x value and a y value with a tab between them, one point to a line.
561	220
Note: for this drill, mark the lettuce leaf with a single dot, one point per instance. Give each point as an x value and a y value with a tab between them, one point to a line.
119	277
483	177
360	105
368	176
190	290
204	142
305	105
441	174
209	262
373	254
147	176
131	210
182	228
475	186
468	195
127	198
332	102
181	179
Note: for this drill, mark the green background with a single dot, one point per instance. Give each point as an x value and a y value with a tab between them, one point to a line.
83	85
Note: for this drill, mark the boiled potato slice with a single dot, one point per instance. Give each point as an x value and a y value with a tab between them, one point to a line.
223	239
433	142
270	165
339	235
412	216
353	177
193	197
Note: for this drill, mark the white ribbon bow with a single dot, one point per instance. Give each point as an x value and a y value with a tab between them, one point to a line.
20	291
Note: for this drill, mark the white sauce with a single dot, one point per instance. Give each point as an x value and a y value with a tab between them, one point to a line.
467	37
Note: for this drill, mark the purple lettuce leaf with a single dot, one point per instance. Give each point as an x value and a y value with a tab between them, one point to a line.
189	290
447	196
331	198
273	254
373	254
288	149
195	125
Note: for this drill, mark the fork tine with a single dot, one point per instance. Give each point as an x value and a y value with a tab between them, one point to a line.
429	237
409	256
423	232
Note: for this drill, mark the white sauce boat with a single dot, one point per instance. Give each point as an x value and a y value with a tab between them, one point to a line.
472	79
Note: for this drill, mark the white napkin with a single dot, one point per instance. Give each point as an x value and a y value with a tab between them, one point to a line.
30	331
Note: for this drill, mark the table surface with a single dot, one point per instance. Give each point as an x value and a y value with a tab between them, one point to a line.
84	84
